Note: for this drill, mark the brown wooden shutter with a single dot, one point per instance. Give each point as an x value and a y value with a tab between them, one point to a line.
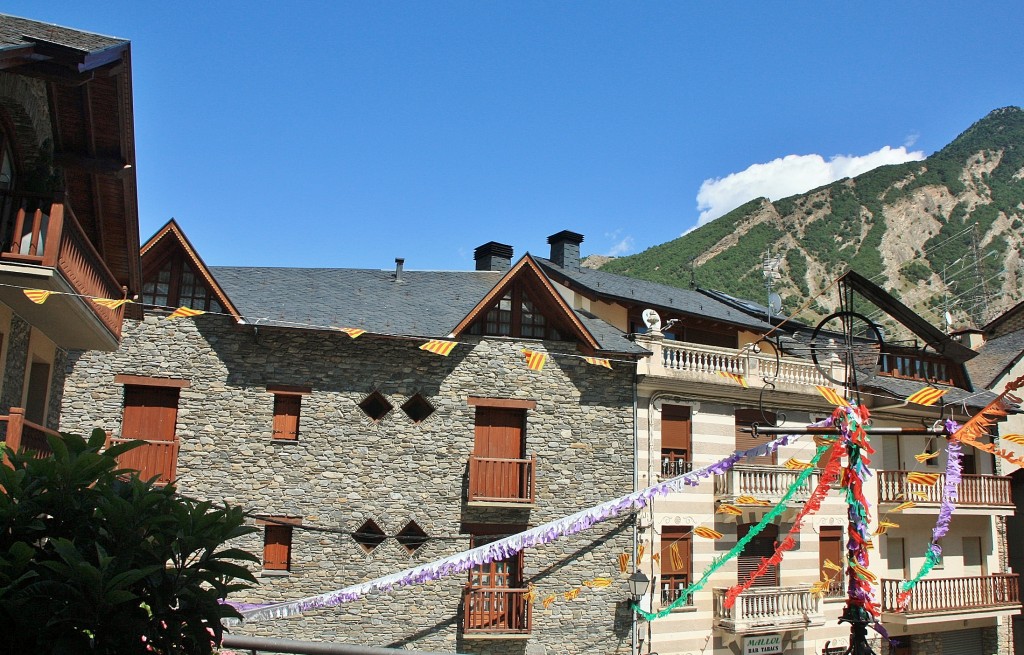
760	547
277	547
499	432
746	440
675	440
830	546
286	416
150	414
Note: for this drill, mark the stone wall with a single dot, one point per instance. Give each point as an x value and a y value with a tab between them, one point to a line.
344	468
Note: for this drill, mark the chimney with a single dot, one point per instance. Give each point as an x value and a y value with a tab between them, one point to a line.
565	249
399	263
493	256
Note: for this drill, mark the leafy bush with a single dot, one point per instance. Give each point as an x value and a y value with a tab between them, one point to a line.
916	271
94	560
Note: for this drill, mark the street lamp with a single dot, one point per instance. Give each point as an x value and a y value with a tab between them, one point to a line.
638	585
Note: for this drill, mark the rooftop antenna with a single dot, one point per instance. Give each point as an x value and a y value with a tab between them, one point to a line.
770	269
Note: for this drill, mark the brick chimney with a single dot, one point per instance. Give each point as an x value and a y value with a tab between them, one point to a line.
493	256
565	249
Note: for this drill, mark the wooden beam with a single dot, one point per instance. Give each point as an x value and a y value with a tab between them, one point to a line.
111	166
97	200
51	72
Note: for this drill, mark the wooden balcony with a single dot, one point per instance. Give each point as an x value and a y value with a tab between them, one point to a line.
768	609
496	612
980	493
502	481
42	246
936	599
157	459
700	363
763	483
21	435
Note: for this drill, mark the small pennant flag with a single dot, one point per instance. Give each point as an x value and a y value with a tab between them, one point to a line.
571	595
924	457
794	464
623	562
351	332
832	566
864	574
919	495
824	439
869	545
656	557
729	509
547	601
903	506
185	312
38	296
750	500
531	594
640	553
110	303
883	526
597	583
738	379
926	396
439	347
598	361
819	588
534	360
923	479
831	396
1014	438
706	533
677	559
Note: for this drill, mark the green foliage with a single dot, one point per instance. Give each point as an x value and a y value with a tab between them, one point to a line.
796	265
916	271
95	561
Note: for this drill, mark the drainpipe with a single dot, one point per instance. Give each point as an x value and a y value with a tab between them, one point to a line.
634	637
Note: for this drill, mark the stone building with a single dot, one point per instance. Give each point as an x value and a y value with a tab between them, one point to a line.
68	211
360	455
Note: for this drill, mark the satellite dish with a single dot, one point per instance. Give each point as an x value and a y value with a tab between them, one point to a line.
774	302
651	319
949	320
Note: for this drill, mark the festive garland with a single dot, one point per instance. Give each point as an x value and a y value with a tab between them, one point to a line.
851	422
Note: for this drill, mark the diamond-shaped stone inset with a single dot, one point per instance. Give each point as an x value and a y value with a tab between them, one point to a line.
369	536
417	408
376	406
412	537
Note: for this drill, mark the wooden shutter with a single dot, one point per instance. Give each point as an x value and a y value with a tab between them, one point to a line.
830	547
675	440
746	440
277	547
150	414
499	432
760	547
286	416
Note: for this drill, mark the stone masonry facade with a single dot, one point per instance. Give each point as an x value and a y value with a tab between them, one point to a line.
344	468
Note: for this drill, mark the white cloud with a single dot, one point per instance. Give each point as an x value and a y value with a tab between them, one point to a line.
789	175
623	247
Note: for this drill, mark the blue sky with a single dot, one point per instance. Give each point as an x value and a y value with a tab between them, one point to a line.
348	134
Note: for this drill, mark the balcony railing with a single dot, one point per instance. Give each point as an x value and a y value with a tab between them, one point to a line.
937	595
21	435
674	462
43	231
496	611
704	363
768	609
762	482
974	490
502	480
672	586
154	459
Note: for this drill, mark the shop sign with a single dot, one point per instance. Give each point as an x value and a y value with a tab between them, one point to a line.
762	645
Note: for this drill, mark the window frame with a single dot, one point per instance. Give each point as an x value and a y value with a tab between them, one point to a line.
286	397
283	528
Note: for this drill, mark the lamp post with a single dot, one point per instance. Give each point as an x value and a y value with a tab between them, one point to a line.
638	584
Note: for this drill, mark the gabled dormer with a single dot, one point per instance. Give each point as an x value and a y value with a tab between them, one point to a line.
174	275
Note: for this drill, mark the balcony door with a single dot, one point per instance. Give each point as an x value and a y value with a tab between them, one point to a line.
760	547
676	436
493	600
150	414
500	447
746	440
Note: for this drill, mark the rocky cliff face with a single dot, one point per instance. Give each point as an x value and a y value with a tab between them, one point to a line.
942	234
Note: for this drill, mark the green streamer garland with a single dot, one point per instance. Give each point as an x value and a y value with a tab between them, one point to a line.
717	563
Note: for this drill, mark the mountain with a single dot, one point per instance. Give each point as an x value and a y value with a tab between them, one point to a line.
942	234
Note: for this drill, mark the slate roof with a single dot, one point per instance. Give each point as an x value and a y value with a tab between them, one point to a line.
995	357
652	294
13	31
901	388
421	304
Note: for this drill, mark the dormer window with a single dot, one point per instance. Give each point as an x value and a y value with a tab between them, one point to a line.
176	284
515	314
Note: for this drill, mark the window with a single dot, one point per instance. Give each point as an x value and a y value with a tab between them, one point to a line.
498	469
675	440
411	537
286	416
495	600
369	536
175	283
150	414
417	408
376	406
676	562
517	314
746	440
277	542
830	547
760	547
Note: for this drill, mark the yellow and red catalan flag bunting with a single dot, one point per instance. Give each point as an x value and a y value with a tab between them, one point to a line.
674	556
185	312
351	332
750	500
919	494
729	509
656	557
926	396
531	594
883	526
439	347
923	479
735	377
547	601
794	464
640	553
924	457
829	394
864	574
623	562
903	506
824	439
571	595
597	583
38	296
706	533
598	361
832	566
819	588
1014	438
534	360
111	303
